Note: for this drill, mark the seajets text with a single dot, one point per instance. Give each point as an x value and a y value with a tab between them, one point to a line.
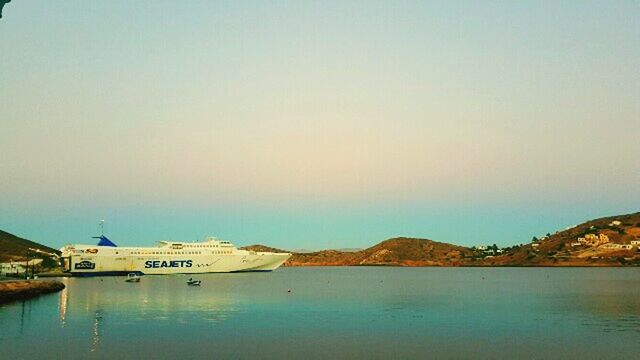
167	264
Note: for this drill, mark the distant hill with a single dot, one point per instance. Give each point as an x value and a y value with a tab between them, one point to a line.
554	250
14	248
392	252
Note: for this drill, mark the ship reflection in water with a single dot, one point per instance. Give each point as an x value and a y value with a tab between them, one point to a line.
96	331
155	298
63	301
349	312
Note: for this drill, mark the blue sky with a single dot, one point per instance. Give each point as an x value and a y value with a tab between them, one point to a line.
317	124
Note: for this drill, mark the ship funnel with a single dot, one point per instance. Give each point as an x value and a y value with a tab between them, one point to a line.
104	241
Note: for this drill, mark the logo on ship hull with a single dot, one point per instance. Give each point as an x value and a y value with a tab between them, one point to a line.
85	265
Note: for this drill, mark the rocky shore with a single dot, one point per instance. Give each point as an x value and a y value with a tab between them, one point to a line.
12	290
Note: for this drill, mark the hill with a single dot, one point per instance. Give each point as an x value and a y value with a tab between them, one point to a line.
569	247
392	252
14	248
560	249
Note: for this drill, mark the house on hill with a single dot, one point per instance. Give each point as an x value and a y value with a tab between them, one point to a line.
593	240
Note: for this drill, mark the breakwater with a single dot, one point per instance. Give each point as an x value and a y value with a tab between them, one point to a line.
12	290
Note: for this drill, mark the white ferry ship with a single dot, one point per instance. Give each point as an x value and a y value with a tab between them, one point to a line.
168	257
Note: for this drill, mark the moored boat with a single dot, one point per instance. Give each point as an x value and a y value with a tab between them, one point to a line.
192	282
132	277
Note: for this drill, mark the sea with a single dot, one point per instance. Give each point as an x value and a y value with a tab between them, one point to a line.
335	313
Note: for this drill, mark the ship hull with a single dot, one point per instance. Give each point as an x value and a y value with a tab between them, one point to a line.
87	265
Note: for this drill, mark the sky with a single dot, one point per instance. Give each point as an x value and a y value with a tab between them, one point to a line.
316	124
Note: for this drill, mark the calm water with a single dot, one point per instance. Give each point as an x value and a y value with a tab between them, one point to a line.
336	313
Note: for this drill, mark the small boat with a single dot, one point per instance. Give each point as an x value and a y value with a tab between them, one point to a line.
132	277
192	282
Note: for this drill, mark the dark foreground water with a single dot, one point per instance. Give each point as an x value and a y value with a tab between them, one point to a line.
355	312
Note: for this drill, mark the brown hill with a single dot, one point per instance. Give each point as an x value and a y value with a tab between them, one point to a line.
392	252
557	249
415	252
14	248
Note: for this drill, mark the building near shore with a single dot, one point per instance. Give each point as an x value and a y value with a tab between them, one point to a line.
16	268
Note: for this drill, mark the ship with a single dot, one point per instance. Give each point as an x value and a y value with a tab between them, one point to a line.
168	257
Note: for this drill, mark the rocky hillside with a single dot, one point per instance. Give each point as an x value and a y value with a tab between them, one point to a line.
14	248
564	249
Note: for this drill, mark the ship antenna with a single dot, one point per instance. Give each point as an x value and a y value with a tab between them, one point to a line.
101	227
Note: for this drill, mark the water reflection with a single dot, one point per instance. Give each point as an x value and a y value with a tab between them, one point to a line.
164	299
153	298
612	305
62	303
96	330
393	313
